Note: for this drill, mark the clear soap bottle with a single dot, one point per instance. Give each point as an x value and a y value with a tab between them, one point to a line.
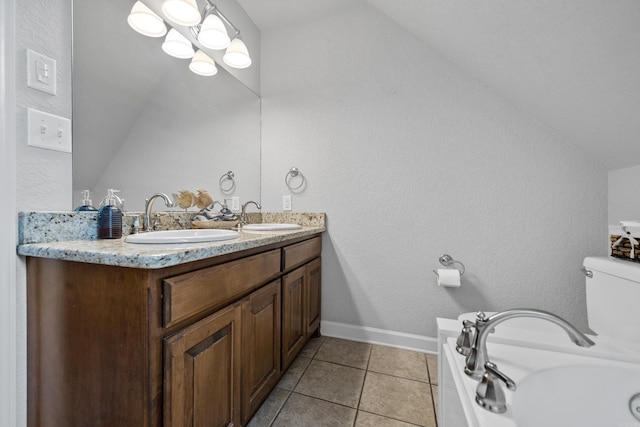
110	217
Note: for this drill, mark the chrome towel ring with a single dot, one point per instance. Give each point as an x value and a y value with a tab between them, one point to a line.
229	176
294	172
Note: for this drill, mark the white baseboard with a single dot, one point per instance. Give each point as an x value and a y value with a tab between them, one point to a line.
380	337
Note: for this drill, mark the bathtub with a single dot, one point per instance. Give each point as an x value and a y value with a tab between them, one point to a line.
557	383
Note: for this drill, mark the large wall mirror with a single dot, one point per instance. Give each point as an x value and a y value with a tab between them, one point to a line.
143	123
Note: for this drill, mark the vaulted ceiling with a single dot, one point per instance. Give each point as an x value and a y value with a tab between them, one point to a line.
572	65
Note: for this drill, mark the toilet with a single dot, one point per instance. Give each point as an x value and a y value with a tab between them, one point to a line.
613	299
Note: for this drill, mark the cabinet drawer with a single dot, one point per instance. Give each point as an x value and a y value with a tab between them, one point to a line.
298	254
203	290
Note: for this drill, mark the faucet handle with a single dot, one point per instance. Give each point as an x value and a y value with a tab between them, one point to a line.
489	393
466	337
156	222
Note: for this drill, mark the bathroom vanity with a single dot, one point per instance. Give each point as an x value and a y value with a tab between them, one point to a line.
193	343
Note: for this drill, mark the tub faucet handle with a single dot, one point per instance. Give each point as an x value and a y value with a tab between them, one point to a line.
466	337
489	393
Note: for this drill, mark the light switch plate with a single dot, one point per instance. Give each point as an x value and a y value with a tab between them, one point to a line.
48	131
41	72
286	203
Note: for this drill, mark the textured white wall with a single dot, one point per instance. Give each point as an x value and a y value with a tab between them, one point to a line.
624	200
8	259
411	158
43	177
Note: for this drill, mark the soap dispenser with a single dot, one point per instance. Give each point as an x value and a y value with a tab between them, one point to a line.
86	202
110	216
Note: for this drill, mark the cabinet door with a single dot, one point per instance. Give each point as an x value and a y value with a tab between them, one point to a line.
293	312
313	296
261	347
202	372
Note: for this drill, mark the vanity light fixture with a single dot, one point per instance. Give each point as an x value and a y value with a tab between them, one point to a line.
237	55
203	65
145	21
213	33
209	28
177	45
182	12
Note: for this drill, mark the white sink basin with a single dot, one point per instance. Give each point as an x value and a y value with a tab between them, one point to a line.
578	396
270	227
182	236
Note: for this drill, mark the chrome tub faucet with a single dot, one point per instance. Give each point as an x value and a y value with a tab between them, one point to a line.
478	357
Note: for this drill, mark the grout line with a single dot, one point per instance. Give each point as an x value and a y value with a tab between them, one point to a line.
433	404
364	380
280	410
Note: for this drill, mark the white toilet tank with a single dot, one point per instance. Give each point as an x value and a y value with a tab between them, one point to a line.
613	298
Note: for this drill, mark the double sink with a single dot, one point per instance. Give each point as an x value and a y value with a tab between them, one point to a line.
203	235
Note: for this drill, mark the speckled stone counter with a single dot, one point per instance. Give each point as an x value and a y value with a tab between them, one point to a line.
40	230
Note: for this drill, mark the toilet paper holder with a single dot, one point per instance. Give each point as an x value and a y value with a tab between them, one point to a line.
447	260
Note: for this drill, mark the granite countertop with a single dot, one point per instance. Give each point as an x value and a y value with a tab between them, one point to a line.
120	253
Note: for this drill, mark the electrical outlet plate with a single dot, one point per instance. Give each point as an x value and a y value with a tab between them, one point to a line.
41	72
286	203
48	131
235	204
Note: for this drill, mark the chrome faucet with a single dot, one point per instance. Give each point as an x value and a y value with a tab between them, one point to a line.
489	394
478	358
148	204
244	217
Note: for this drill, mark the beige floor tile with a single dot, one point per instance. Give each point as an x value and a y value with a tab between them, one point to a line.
399	362
294	373
432	364
366	419
305	411
270	408
332	382
311	348
344	352
434	393
398	398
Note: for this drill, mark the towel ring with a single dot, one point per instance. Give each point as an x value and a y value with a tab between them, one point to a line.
448	260
294	172
227	177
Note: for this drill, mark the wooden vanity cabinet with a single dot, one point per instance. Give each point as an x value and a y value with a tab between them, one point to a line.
196	344
301	297
202	372
261	347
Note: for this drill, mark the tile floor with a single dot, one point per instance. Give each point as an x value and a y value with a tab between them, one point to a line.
335	382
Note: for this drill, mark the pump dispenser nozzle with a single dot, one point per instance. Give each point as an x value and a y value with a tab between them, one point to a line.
86	202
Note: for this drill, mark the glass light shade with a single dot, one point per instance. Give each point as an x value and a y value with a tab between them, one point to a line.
237	55
145	21
203	65
213	33
182	12
177	45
